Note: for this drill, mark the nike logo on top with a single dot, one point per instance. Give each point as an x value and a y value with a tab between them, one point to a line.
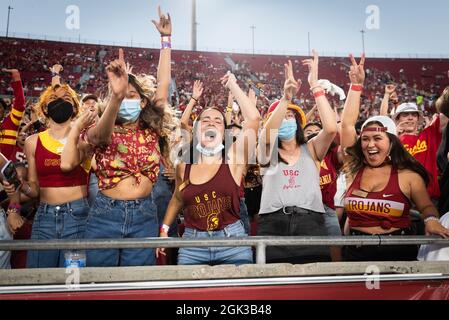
388	195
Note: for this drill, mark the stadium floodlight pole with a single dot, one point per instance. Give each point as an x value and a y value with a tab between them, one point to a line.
253	28
363	39
194	26
7	24
308	36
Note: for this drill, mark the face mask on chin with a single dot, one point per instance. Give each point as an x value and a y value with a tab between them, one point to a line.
60	111
130	110
208	152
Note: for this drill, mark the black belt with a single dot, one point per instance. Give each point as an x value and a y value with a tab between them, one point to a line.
293	210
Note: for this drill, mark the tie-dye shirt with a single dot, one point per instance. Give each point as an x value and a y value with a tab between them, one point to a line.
131	153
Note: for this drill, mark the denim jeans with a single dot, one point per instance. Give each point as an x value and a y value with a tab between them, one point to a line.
5	235
162	195
93	188
216	255
331	222
117	219
244	216
65	221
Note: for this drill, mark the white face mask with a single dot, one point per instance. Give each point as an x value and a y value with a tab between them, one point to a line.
207	152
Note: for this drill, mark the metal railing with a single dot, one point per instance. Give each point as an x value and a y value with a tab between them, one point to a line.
260	243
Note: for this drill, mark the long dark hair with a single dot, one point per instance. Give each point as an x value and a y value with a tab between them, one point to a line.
400	158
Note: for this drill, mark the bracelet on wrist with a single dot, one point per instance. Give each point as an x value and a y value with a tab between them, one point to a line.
54	74
431	218
196	100
166	42
319	94
356	87
164	229
14	208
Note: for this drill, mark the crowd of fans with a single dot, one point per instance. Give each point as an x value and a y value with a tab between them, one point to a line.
205	145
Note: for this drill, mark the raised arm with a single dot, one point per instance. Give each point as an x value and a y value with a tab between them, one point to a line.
164	26
76	151
352	105
389	90
270	131
196	95
246	142
323	140
56	74
118	82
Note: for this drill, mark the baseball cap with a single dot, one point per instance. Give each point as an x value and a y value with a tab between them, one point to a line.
89	96
386	122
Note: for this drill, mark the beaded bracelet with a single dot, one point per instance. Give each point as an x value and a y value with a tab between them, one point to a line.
14	208
431	218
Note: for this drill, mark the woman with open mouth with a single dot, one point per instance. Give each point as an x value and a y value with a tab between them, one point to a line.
384	182
208	183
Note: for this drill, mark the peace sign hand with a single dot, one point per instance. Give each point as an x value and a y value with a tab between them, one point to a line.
357	72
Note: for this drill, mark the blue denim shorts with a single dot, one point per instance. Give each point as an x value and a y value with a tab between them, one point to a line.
216	255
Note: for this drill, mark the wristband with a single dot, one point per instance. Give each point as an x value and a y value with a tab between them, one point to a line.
196	100
356	87
319	94
431	218
14	208
53	74
164	229
166	42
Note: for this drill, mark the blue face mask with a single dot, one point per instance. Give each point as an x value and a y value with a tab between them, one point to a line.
130	110
209	152
288	130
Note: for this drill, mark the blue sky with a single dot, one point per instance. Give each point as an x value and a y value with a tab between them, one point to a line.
406	27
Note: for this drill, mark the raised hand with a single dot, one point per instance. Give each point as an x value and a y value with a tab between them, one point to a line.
15	74
87	118
118	78
228	80
357	72
312	64
390	88
252	96
129	68
291	86
57	69
164	25
197	90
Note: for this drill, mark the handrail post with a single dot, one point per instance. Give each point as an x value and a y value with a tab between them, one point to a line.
261	253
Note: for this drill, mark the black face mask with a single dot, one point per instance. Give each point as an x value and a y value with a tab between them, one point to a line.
313	135
60	111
